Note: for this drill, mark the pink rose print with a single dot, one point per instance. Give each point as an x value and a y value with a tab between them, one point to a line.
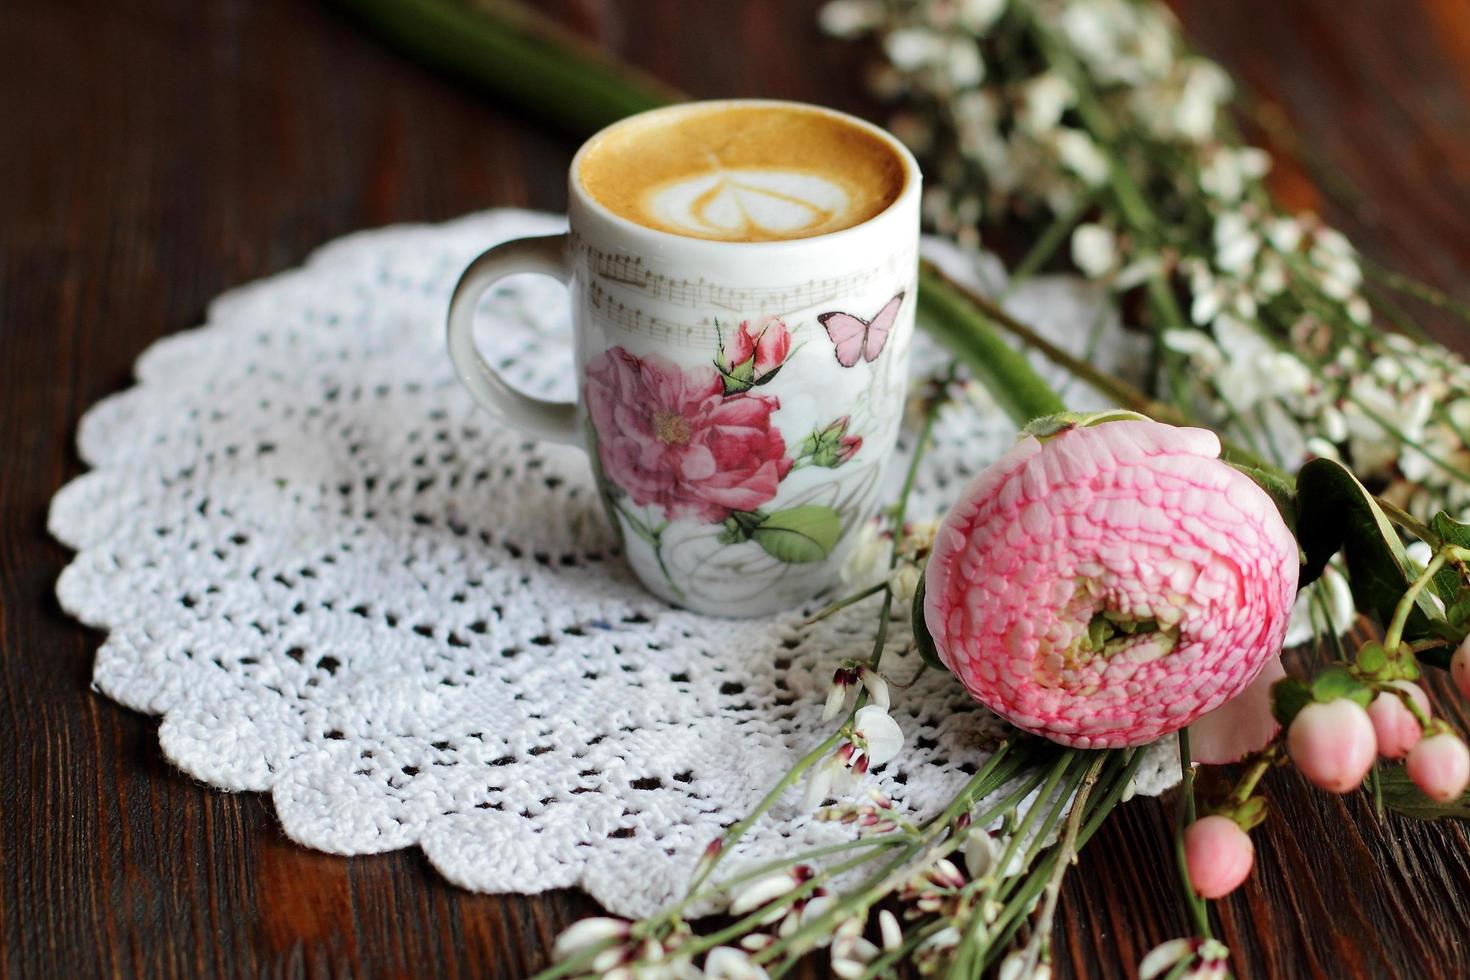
772	343
753	354
673	439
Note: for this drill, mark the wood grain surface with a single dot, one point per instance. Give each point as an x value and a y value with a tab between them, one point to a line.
157	152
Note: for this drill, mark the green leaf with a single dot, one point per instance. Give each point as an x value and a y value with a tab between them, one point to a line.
923	640
1336	513
1335	682
798	535
1288	696
1401	796
1447	581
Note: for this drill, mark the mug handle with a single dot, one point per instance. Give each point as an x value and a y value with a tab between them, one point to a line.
548	255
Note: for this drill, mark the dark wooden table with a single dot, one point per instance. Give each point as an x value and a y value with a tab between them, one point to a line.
157	152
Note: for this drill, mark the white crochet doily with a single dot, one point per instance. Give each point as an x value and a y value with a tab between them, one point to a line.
342	584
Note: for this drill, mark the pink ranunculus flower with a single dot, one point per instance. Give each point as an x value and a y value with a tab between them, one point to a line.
671	438
1111	584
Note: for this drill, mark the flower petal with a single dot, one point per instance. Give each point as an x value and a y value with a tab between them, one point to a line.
1240	726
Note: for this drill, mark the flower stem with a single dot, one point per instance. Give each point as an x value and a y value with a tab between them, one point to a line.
961	325
1117	389
1394	635
1067	856
843	603
739	828
895	872
517	56
1418	290
1198	909
1406	520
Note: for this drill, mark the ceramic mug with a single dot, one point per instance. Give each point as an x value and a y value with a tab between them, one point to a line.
738	399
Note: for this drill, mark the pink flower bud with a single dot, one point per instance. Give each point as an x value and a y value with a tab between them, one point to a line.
1218	855
1394	725
1460	668
1440	766
1332	744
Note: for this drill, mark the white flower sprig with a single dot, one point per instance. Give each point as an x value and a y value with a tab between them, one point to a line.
1095	115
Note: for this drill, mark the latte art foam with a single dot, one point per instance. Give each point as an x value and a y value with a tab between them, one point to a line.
742	173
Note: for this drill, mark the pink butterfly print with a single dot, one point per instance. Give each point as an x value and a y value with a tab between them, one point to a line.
855	337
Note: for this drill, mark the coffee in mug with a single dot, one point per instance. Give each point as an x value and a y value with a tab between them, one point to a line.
742	173
743	283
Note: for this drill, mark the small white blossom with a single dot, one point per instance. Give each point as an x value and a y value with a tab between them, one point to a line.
762	892
981	853
1359	311
849	18
1236	242
851	953
729	963
1094	250
877	687
877	734
963	66
1013	967
1043	100
1285	234
1271	277
911	48
889	931
867	561
584	935
904	582
977	16
836	701
1080	155
1206	88
1227	173
1208	959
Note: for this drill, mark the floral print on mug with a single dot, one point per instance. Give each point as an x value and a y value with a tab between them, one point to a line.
698	443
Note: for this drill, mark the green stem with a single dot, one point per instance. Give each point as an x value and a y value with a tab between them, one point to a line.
1394	635
841	604
1117	389
1009	922
1198	910
517	56
739	828
958	323
1247	785
1418	290
1066	856
893	874
1407	521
